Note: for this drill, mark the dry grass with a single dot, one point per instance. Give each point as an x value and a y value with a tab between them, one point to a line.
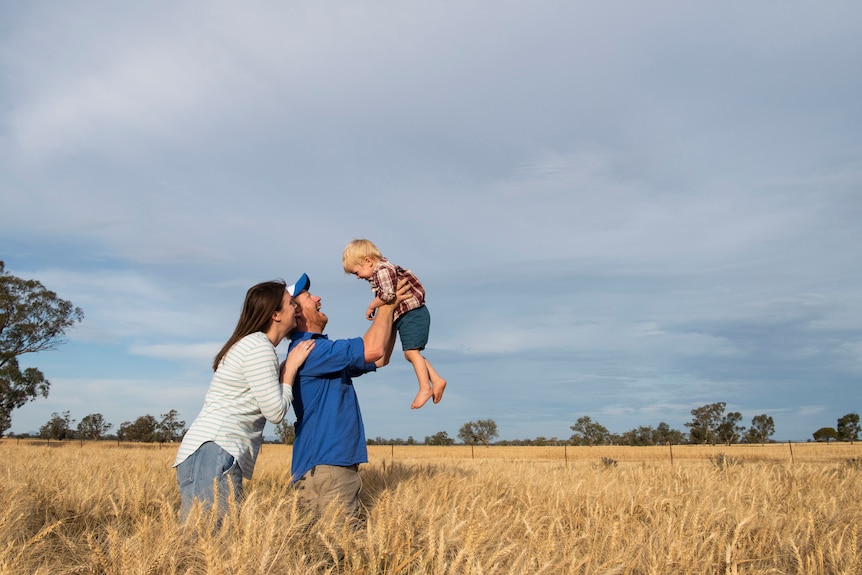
108	509
797	452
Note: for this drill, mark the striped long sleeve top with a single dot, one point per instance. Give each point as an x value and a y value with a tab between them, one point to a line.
244	394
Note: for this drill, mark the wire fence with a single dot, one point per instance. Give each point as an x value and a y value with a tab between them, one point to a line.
788	452
777	452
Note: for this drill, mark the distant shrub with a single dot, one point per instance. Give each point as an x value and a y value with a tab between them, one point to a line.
724	461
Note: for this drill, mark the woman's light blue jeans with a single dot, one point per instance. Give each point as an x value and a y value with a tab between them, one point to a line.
208	470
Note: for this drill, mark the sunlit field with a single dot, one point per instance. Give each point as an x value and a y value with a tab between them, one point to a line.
104	508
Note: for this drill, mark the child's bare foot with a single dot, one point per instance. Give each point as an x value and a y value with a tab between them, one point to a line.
422	398
439	388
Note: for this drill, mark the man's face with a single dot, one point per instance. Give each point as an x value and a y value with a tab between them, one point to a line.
288	311
308	315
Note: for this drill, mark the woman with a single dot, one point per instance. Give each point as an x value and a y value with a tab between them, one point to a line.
221	446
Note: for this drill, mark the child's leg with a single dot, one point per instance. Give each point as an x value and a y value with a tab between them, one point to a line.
413	328
437	383
420	366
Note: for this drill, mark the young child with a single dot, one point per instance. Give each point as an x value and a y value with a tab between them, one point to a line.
412	320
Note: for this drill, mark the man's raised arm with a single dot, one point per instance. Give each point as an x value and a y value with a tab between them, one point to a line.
377	338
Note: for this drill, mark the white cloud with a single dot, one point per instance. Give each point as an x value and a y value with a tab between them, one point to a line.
198	353
663	201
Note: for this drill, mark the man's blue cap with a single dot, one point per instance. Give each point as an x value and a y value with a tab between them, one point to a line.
303	283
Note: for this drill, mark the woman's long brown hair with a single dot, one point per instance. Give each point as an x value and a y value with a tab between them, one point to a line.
261	301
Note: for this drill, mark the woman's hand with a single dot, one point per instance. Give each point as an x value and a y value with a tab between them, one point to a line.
295	359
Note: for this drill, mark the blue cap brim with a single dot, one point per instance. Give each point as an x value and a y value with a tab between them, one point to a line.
302	284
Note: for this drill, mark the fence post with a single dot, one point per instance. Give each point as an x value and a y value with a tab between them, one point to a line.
566	454
790	445
670	448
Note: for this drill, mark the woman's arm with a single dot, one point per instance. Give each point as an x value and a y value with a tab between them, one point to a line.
265	380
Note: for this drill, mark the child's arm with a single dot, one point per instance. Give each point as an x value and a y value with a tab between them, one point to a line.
372	307
378	336
384	284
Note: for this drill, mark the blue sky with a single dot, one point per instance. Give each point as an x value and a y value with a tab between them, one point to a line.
624	210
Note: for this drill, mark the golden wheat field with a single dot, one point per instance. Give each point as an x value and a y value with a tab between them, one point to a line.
104	508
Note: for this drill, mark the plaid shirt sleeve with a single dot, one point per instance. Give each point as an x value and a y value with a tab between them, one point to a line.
385	279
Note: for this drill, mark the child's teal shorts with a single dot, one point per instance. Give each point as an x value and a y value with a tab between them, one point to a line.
413	328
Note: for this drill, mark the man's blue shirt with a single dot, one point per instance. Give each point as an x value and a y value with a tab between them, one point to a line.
329	428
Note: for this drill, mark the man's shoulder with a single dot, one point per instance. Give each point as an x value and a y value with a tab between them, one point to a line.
303	335
322	339
330	356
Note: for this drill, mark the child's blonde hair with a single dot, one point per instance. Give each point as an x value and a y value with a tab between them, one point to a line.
357	250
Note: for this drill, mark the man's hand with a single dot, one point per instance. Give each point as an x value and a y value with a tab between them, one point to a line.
378	336
402	291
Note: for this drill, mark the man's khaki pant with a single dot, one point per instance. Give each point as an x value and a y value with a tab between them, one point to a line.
327	485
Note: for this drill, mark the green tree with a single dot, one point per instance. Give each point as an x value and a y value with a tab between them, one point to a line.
762	428
476	432
704	427
93	426
643	435
58	427
664	435
729	431
32	319
286	432
439	438
144	429
170	428
825	434
848	427
588	432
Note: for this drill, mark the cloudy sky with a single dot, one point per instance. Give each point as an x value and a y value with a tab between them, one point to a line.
623	210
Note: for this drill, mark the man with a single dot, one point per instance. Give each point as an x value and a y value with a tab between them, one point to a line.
330	437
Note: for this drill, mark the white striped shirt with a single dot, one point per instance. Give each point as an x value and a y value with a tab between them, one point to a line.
244	393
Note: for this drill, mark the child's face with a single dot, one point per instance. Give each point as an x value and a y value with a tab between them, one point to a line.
363	269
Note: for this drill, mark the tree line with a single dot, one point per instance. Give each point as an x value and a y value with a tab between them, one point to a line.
709	425
145	429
